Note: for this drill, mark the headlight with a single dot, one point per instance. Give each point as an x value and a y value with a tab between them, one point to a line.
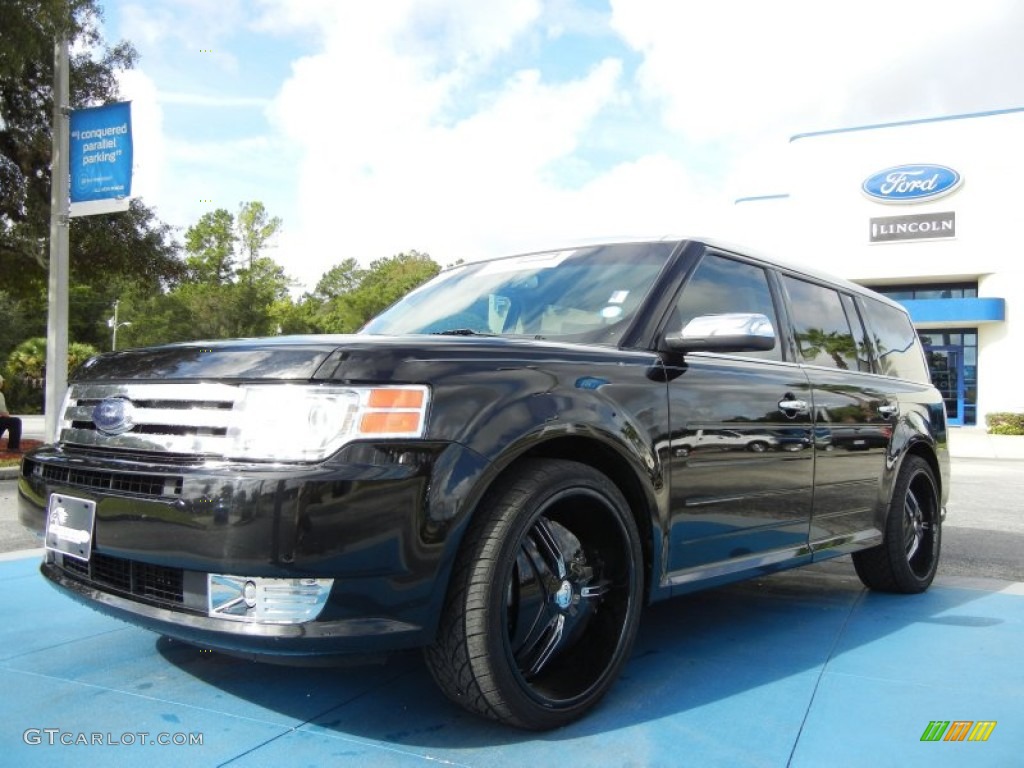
304	423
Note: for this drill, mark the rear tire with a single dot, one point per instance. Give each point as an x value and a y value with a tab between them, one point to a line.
545	598
906	561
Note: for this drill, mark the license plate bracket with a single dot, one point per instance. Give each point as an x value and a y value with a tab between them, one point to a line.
69	525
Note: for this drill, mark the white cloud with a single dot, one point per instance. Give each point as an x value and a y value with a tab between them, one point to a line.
397	157
457	128
387	180
740	77
192	22
737	67
213	102
148	145
441	31
744	70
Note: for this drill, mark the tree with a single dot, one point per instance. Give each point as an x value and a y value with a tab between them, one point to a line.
230	288
261	282
259	288
839	346
390	279
255	229
156	319
338	280
99	244
347	297
329	308
21	319
26	368
210	245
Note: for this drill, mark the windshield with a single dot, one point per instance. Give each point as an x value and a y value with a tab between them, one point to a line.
583	295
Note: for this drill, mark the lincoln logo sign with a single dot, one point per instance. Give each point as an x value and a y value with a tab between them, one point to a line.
918	226
911	183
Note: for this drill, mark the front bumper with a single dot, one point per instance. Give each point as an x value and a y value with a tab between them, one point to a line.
381	520
340	637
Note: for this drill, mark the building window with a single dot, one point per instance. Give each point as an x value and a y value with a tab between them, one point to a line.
928	291
953	363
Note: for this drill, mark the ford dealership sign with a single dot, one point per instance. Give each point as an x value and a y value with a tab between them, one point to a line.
911	183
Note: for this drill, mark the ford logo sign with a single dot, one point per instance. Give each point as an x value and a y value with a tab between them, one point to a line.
113	415
911	183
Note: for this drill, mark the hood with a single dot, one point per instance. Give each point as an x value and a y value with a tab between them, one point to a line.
322	358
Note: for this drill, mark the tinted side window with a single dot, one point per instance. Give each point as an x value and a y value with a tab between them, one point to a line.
822	331
720	285
895	340
859	336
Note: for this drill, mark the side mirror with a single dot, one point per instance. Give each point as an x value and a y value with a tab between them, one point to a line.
733	332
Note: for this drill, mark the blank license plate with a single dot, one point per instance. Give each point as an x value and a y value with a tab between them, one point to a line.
69	524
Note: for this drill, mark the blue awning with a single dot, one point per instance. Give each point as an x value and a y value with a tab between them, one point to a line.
956	311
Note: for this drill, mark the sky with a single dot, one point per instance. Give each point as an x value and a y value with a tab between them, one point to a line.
468	129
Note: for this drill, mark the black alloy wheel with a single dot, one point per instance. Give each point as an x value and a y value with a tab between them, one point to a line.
908	558
545	600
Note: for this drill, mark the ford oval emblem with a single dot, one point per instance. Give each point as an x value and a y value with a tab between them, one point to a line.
113	415
911	183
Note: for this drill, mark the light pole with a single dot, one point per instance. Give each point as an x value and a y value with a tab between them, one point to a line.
114	325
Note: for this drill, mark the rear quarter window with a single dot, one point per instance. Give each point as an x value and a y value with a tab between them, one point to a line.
820	325
897	348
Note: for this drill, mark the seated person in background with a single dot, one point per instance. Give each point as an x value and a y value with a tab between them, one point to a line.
9	424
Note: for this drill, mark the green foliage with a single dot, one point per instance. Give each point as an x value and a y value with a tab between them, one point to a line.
288	317
210	245
839	347
1005	423
255	229
19	320
131	245
28	359
155	319
347	296
338	280
257	291
108	253
390	279
25	371
230	289
227	286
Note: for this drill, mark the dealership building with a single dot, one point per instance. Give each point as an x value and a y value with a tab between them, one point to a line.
924	211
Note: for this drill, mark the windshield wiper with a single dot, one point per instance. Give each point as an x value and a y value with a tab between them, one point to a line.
460	332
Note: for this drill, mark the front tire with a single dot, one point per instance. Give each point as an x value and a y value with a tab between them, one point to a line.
545	599
906	561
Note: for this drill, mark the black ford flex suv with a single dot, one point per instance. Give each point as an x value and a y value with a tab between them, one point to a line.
502	468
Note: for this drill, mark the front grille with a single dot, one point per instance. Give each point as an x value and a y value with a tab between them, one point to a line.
186	419
153	582
162	429
126	482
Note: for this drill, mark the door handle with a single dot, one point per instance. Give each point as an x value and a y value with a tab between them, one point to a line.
793	407
888	410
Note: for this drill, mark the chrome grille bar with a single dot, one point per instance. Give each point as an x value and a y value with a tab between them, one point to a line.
191	419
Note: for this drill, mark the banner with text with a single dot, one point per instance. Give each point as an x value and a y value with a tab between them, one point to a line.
100	154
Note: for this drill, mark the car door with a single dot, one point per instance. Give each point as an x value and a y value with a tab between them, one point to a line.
740	454
853	413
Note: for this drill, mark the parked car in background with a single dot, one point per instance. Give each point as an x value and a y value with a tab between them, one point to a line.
725	440
502	468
